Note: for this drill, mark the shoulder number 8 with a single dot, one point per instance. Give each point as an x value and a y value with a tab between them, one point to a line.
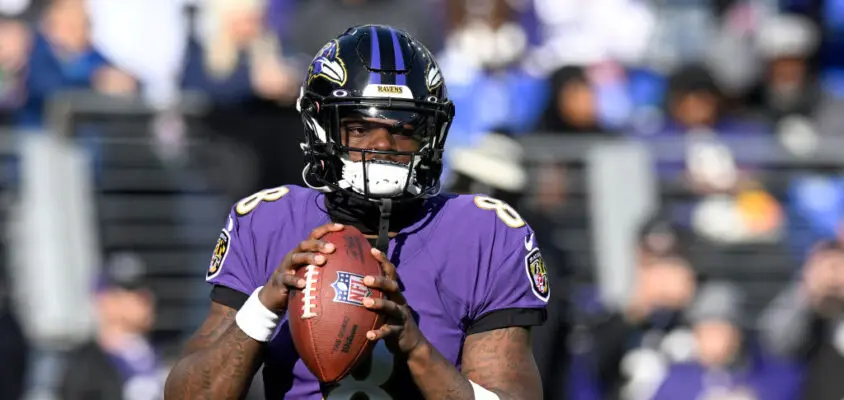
504	211
248	204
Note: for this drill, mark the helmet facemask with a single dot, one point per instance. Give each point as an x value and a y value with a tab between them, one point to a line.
337	159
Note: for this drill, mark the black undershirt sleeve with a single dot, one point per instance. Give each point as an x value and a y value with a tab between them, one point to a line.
228	297
506	318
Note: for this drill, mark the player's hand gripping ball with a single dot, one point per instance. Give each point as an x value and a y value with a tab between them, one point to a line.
311	251
328	320
399	332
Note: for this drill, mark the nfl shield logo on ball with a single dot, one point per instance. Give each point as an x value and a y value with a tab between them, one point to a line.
349	289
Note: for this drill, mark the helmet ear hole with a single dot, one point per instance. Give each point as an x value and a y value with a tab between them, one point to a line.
311	173
308	106
319	169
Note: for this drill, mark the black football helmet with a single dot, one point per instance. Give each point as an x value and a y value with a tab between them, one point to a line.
380	72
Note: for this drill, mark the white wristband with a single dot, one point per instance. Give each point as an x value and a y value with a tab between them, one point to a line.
481	393
255	320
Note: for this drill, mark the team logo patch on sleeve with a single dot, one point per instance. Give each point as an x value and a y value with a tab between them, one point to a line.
349	289
537	274
219	256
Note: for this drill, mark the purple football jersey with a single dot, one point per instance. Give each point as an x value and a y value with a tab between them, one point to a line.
468	257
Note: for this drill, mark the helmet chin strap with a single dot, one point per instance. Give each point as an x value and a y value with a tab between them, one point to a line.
383	241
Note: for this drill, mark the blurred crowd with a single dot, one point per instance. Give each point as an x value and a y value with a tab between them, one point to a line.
706	72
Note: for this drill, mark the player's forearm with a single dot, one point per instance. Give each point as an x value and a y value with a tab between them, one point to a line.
222	371
436	377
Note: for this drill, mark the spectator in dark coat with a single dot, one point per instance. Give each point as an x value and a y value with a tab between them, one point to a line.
722	364
119	362
805	322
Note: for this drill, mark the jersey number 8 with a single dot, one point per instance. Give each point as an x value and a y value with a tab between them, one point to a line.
379	373
504	211
248	204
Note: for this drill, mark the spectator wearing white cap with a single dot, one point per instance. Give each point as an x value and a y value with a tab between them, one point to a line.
789	93
785	44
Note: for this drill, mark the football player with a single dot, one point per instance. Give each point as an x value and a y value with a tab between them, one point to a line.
464	280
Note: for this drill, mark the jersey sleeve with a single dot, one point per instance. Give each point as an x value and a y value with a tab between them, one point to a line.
513	285
233	269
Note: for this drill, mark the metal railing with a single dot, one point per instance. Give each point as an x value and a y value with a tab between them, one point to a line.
615	183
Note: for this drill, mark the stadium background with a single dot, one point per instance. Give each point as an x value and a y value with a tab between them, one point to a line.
681	160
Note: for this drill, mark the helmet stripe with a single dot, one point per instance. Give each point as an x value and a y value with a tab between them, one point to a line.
400	78
375	57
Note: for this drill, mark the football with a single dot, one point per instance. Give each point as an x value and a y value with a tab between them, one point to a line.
328	321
